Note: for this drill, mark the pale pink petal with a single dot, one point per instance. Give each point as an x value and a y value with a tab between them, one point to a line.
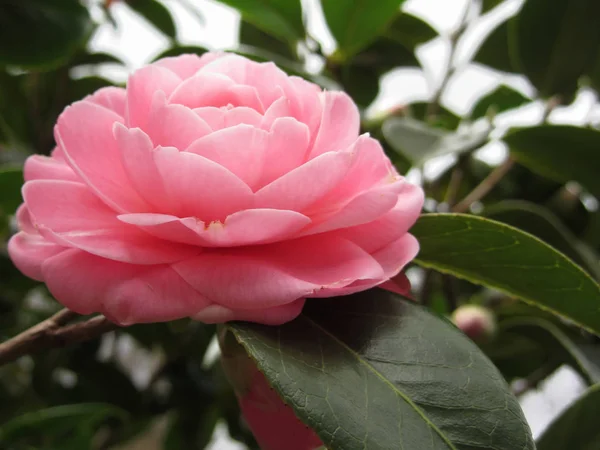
142	86
213	116
69	214
249	227
113	98
287	148
199	187
175	126
364	208
245	96
378	233
185	66
279	108
125	293
393	257
24	219
305	104
269	316
340	123
203	89
305	185
38	167
241	149
84	131
29	251
242	115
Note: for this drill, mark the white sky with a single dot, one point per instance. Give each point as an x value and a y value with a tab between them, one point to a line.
136	43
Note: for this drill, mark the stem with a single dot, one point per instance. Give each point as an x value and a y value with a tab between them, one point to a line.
435	102
53	332
483	188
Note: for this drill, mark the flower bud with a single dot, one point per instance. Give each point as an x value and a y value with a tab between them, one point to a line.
475	321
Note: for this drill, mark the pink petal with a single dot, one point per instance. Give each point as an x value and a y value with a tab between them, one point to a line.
24	220
305	185
29	251
279	108
38	167
305	103
245	96
288	144
184	66
175	126
363	208
399	284
142	86
242	115
84	131
137	156
268	316
70	215
395	256
112	98
125	293
199	187
262	277
340	123
203	89
392	225
249	227
241	149
213	116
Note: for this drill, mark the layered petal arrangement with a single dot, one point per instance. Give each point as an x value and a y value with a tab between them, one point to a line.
213	187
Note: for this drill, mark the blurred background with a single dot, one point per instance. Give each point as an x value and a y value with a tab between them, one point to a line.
437	82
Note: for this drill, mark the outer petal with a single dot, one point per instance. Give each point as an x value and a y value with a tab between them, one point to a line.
84	131
340	123
262	277
241	149
249	227
142	86
125	293
112	98
69	214
268	316
38	167
29	251
305	185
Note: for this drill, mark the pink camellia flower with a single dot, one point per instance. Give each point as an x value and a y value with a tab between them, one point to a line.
212	187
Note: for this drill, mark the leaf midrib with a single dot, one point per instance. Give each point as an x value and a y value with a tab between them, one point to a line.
382	378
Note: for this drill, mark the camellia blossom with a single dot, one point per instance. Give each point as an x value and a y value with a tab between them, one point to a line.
213	187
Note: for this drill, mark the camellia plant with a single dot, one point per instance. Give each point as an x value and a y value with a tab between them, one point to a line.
241	198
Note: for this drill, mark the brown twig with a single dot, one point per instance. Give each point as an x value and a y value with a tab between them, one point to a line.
483	188
53	332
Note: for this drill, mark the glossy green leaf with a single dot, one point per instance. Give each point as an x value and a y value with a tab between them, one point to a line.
157	14
409	31
540	222
11	181
254	36
495	52
560	152
95	58
41	33
356	23
280	18
557	344
419	142
577	427
443	117
505	258
181	50
499	100
487	5
555	40
375	371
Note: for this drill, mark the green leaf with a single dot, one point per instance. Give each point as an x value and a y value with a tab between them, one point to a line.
181	50
41	33
420	142
280	18
555	42
540	222
254	36
356	23
560	152
499	100
558	345
505	258
577	427
409	31
11	181
488	5
373	370
157	14
495	51
95	58
57	422
444	118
